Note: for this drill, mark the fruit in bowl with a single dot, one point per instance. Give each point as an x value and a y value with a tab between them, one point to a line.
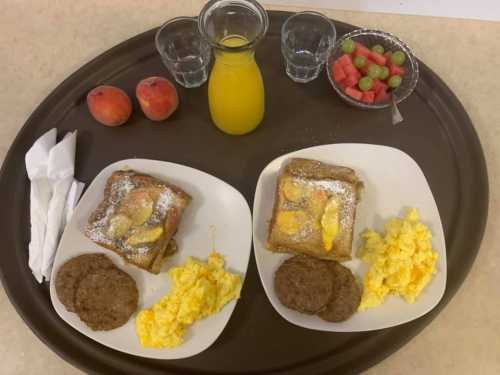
109	105
368	67
158	97
367	74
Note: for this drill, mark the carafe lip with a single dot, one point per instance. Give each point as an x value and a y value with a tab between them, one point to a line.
215	43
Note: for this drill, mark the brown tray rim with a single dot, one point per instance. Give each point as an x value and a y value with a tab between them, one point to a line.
367	361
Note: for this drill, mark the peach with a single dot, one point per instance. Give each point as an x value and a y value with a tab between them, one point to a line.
157	97
109	105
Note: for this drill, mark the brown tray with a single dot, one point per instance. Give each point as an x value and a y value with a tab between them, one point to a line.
437	133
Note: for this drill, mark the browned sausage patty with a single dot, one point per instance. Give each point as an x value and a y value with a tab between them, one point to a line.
105	299
346	294
71	272
304	284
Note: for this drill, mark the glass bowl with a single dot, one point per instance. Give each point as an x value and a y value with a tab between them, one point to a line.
390	43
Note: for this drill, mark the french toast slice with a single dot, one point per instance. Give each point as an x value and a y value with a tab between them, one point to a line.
137	218
314	210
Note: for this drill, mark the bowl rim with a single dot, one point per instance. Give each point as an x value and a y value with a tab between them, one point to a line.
377	33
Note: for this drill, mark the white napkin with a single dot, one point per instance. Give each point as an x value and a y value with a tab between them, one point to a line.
60	171
54	194
37	159
75	191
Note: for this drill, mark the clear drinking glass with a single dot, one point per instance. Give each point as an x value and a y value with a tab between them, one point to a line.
183	51
306	38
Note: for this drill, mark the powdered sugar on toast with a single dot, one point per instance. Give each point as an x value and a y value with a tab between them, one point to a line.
98	227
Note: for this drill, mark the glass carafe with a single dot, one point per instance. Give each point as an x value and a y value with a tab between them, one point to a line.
235	88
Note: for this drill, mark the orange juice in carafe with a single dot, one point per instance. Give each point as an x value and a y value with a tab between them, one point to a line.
235	88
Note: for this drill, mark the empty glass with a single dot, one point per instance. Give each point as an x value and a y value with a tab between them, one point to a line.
306	38
183	51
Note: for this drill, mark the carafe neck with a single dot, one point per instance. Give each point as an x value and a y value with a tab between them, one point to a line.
235	51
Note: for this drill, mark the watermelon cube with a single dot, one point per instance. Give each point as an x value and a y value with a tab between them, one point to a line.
396	70
381	96
378	58
379	85
351	81
342	84
361	50
350	70
387	56
338	73
368	97
353	93
345	60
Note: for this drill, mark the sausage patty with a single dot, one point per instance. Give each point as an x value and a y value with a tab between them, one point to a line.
71	273
105	299
304	284
346	294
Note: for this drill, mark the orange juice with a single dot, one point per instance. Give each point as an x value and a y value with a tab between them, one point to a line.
236	89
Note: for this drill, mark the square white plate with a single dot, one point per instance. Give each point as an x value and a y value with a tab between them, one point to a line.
215	203
393	182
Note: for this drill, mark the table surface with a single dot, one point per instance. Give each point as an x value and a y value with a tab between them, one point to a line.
42	42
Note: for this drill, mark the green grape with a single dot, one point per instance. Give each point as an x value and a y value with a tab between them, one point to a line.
398	58
365	83
394	82
384	73
374	71
348	46
359	61
378	49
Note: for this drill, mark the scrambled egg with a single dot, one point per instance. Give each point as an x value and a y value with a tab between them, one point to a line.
199	290
402	262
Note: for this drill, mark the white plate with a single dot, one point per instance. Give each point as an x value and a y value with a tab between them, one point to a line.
215	203
393	182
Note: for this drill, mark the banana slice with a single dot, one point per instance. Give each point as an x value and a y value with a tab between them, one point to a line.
144	235
317	201
119	226
291	222
330	223
292	191
138	205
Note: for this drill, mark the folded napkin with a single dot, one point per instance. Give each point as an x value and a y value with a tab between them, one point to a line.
54	194
37	160
75	191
